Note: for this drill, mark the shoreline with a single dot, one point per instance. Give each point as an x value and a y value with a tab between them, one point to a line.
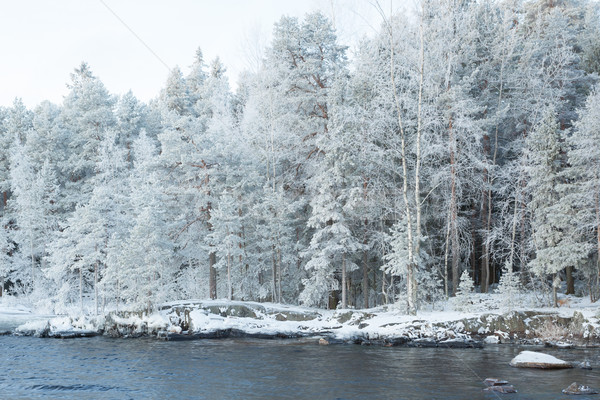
383	326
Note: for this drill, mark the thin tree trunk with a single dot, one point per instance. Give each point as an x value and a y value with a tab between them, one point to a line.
383	288
554	291
454	243
212	275
418	157
485	256
446	254
594	298
410	269
118	293
81	290
344	294
274	273
279	275
229	287
32	263
212	259
365	280
96	287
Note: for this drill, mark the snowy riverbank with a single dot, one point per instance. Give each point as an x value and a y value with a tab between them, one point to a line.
577	325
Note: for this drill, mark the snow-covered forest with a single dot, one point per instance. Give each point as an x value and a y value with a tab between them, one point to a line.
458	146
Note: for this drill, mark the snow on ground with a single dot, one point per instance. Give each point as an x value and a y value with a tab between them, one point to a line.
13	314
483	319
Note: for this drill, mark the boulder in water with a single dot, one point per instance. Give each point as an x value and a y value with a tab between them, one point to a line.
494	382
574	388
501	389
585	365
534	359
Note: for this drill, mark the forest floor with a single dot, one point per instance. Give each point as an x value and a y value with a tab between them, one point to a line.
480	320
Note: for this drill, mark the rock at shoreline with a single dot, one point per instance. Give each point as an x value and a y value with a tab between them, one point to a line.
533	359
574	388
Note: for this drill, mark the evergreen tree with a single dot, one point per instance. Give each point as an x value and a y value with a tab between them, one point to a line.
509	288
463	299
553	249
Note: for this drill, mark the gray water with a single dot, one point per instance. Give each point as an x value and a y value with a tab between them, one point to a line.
103	368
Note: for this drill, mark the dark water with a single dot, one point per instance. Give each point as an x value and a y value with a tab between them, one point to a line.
101	368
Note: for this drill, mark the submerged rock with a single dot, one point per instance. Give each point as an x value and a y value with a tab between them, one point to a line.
494	382
574	388
533	359
585	365
559	345
501	389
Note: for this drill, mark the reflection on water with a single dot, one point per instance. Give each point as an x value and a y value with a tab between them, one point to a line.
93	368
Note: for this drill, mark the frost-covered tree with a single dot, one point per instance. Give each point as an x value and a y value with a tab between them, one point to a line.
82	245
87	115
509	288
553	250
335	194
463	299
34	210
583	174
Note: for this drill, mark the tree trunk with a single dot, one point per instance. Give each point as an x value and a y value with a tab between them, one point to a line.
344	294
32	263
212	260
554	294
81	290
212	275
365	280
570	283
274	274
229	287
485	257
446	254
411	281
594	298
454	243
96	287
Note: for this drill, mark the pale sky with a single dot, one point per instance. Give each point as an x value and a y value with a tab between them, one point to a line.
42	41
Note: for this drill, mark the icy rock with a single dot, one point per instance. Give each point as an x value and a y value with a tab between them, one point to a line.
584	365
493	339
501	389
175	329
494	382
559	345
574	388
323	342
533	359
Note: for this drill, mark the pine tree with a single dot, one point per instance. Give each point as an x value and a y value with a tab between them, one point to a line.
553	250
33	207
509	288
463	299
583	176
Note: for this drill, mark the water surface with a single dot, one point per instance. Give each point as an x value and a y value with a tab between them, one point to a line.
103	368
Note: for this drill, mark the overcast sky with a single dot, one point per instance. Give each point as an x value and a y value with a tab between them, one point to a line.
42	41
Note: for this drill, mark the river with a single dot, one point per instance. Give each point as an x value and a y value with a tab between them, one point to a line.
103	368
